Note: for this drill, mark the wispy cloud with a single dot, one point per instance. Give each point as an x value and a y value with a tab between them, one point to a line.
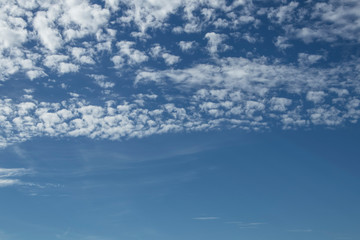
245	225
9	182
11	176
206	218
301	230
14	172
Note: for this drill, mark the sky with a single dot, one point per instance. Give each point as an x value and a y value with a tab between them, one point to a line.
179	119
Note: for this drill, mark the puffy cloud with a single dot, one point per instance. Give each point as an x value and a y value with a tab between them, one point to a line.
67	68
283	13
100	80
158	51
319	21
128	54
45	28
82	55
187	45
215	42
282	43
309	59
280	104
149	13
81	18
315	96
290	88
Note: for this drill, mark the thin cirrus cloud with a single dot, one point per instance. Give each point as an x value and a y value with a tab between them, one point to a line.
301	230
11	176
247	225
206	218
237	64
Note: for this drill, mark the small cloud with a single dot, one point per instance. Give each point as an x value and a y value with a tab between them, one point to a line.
158	51
100	80
9	182
244	225
11	172
206	218
187	45
301	230
215	42
9	176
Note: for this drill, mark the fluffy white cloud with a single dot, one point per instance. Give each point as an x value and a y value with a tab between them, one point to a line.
309	59
158	51
299	87
215	42
81	18
319	21
316	96
187	45
100	80
283	13
46	29
128	54
67	68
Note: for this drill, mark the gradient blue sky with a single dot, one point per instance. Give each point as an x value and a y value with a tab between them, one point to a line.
179	119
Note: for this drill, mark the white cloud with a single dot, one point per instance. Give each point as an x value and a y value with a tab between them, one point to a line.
283	13
315	96
67	67
170	59
13	172
148	13
9	182
32	74
13	31
45	27
82	55
301	230
206	218
81	18
128	54
319	21
309	59
158	51
241	92
10	176
187	45
234	92
280	104
100	80
245	225
215	42
52	61
282	43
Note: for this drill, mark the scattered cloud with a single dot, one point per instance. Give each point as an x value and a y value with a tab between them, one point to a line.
301	230
10	176
187	45
283	80
247	225
215	42
206	218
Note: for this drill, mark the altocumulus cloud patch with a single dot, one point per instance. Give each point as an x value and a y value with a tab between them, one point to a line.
116	69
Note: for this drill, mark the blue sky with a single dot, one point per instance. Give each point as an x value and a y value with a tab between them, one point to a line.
179	119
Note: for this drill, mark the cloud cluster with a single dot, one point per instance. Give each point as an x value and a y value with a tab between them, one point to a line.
319	21
252	95
186	66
